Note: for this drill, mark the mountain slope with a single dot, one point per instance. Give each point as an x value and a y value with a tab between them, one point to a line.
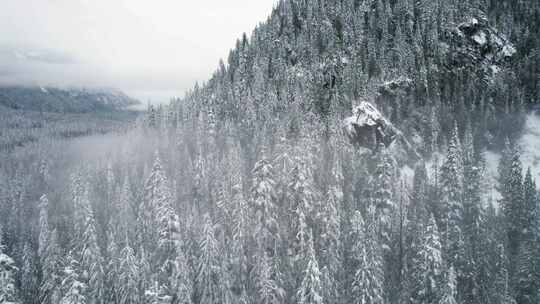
64	100
324	57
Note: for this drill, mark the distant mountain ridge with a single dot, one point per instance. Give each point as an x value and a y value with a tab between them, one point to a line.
58	100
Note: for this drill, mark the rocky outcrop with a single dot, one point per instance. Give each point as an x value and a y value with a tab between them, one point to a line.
368	128
476	45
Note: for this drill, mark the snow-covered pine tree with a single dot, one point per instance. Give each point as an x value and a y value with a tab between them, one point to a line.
156	294
128	276
264	207
181	280
73	289
368	277
156	195
473	217
208	269
503	168
311	288
449	288
513	208
451	182
330	246
383	194
112	268
530	197
126	219
77	195
427	266
51	268
240	237
302	197
89	253
168	226
266	281
29	275
500	291
8	271
44	232
526	277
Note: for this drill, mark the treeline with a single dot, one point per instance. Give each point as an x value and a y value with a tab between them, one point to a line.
196	222
323	56
251	194
20	128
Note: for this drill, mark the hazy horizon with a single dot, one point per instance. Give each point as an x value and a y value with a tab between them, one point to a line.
151	52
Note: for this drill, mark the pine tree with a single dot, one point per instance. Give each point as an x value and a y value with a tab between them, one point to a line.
513	209
8	272
264	204
156	294
473	217
367	283
417	219
383	197
181	282
44	232
89	253
530	198
73	288
527	286
169	234
29	284
330	246
208	266
451	180
268	289
449	292
303	199
112	269
503	168
51	261
157	195
310	291
128	276
240	237
427	265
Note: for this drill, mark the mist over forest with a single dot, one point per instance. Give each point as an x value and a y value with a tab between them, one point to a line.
346	151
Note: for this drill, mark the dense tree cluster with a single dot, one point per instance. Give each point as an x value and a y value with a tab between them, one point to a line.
246	190
176	226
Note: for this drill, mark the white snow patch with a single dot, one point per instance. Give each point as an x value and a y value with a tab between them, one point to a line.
6	260
365	114
480	38
495	69
508	50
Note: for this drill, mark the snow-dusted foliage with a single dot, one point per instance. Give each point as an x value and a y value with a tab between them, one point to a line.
341	154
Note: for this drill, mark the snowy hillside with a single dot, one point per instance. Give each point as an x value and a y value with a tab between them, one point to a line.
345	152
64	100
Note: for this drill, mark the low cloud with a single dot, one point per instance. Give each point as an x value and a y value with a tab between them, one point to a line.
134	45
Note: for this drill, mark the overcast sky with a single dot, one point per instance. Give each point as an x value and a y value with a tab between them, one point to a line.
150	49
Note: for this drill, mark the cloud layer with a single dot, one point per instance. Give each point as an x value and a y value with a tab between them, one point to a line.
136	45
